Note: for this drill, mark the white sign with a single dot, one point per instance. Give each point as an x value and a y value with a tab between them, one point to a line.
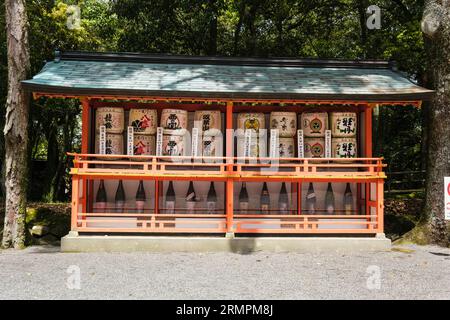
159	137
274	146
194	142
130	141
447	197
102	140
300	144
327	143
247	143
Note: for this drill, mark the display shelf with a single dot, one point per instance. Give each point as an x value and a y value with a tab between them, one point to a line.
366	173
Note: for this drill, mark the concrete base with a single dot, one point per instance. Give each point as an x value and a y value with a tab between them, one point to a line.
85	243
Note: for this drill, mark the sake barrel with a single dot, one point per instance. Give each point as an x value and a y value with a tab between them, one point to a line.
314	124
286	147
343	124
173	120
257	147
212	146
144	121
344	148
174	145
144	145
113	143
285	122
251	121
111	118
208	120
314	147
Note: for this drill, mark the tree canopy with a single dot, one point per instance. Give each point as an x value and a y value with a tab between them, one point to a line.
290	28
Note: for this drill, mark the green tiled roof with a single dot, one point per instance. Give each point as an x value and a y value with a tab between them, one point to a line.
139	78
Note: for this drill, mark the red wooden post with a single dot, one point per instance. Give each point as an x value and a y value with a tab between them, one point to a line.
85	148
75	197
368	149
156	197
229	208
380	206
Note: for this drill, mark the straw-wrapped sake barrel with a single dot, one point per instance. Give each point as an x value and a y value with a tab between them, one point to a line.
257	147
113	143
144	121
285	122
144	145
111	118
343	124
212	146
174	120
174	145
314	147
344	148
286	147
251	121
208	120
314	124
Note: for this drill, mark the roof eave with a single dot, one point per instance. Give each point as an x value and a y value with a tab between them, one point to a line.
424	95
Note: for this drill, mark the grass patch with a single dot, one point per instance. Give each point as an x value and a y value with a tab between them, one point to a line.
55	216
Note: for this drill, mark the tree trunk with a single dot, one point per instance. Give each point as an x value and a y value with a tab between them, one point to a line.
212	43
436	26
237	30
16	122
362	7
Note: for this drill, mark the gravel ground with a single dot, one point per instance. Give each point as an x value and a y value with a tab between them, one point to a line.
408	272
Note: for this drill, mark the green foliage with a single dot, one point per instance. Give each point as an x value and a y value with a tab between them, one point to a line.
293	28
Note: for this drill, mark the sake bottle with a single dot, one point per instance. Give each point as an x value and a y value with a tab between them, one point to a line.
329	200
170	199
311	200
265	199
140	197
211	199
101	198
120	197
283	200
348	200
191	198
243	199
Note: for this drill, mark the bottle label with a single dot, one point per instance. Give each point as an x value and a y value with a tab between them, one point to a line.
211	206
348	209
120	204
330	209
140	205
170	207
190	205
243	206
101	206
265	207
310	196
